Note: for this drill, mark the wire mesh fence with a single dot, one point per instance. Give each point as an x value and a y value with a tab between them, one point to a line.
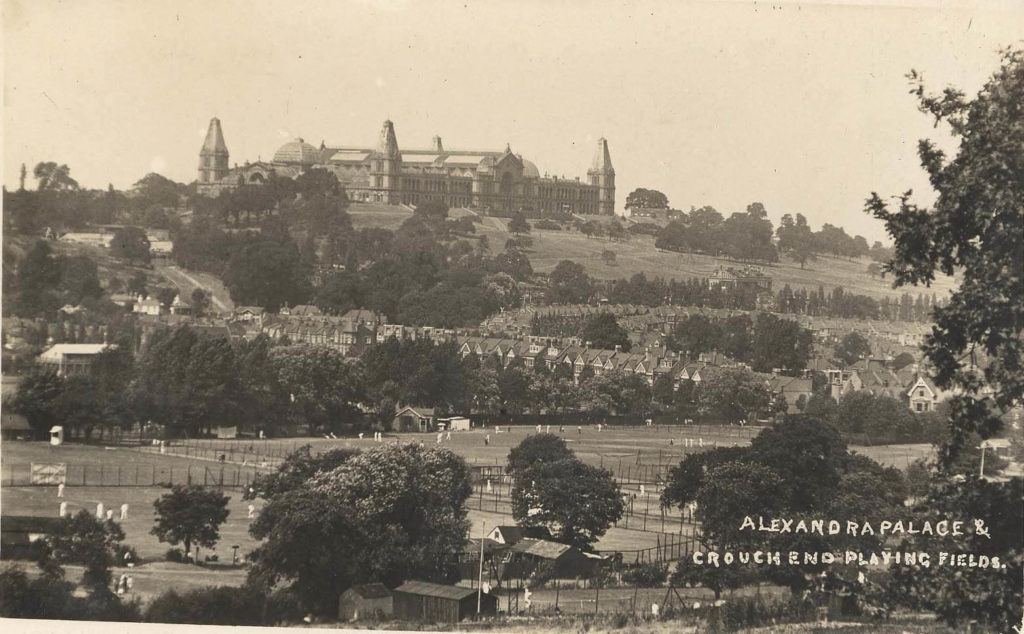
136	475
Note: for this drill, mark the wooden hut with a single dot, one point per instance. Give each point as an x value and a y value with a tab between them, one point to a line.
365	601
436	603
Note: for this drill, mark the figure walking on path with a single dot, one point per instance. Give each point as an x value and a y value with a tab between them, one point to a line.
60	490
63	509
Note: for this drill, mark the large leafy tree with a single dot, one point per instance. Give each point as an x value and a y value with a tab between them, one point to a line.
732	394
324	387
535	449
796	238
604	331
974	229
130	243
86	541
641	198
569	284
575	501
54	177
190	514
852	347
393	513
780	343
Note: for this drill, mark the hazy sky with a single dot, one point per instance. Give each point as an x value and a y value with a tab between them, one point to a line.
802	107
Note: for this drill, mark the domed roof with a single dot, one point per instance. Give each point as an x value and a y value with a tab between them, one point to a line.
297	151
529	169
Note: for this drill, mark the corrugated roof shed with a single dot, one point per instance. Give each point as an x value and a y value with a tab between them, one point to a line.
428	589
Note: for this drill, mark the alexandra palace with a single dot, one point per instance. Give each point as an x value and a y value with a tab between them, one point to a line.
498	183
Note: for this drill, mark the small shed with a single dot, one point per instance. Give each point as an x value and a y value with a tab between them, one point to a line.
15	427
226	431
524	557
436	603
368	600
455	423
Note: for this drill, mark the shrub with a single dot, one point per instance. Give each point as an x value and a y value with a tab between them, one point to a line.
224	605
550	225
176	555
645	575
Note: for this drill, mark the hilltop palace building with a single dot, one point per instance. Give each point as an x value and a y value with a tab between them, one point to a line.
494	182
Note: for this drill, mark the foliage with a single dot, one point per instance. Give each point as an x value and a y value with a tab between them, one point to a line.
646	575
569	283
323	386
687	478
84	540
190	514
131	244
973	230
732	394
49	596
223	605
603	331
392	513
296	470
780	343
641	198
852	347
964	593
575	501
54	177
535	449
266	274
517	224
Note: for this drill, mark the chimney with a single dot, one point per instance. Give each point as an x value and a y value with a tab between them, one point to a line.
436	145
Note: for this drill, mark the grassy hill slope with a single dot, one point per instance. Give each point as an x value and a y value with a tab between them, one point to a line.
639	255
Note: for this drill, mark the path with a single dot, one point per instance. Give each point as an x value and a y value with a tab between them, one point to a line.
188	281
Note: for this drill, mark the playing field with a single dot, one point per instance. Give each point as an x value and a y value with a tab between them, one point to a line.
638	456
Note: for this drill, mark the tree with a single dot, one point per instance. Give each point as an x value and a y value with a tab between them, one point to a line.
392	513
852	347
575	501
296	470
973	230
641	198
435	211
266	274
201	299
608	257
86	541
687	478
131	244
54	177
535	449
190	514
569	283
603	331
780	343
517	224
796	239
317	182
732	394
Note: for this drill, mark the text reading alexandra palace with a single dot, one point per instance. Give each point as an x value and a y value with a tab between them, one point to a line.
493	182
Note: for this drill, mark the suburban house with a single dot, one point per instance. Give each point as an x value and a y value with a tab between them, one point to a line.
922	395
791	388
148	306
369	600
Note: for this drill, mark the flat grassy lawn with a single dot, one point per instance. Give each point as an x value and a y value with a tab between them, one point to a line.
43	501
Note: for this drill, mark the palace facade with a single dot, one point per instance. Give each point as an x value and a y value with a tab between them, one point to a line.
496	183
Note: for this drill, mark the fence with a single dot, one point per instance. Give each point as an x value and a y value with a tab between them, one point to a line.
138	475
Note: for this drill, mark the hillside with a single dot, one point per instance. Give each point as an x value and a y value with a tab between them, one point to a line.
639	255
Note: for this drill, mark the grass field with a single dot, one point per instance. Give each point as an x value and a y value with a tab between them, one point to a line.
636	455
639	255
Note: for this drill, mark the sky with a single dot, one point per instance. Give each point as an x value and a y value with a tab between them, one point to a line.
803	107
